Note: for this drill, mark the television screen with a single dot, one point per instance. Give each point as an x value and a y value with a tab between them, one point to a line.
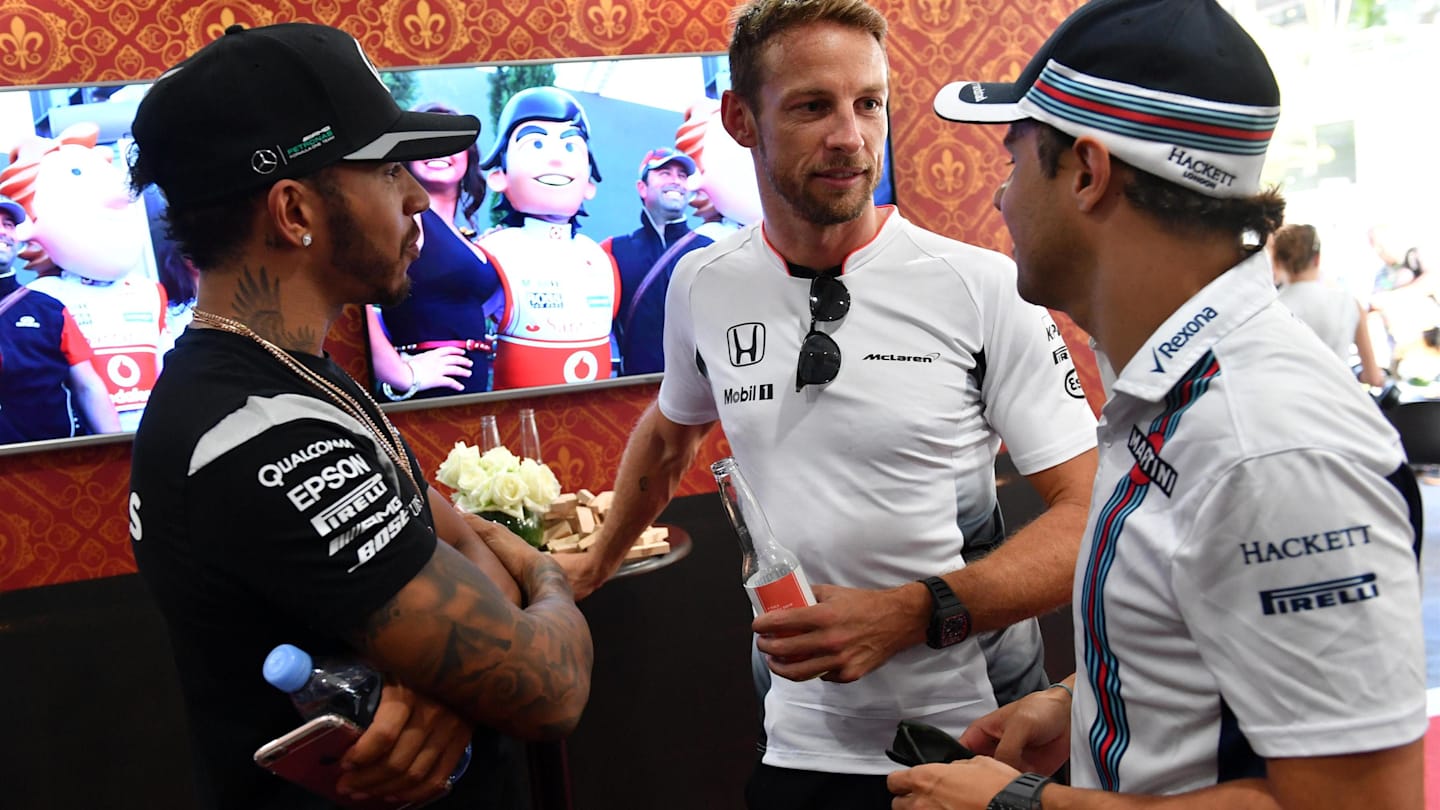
548	264
546	252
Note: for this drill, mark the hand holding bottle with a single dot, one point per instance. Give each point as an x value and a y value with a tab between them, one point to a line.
410	734
413	748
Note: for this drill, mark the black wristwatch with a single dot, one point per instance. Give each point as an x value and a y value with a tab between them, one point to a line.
1021	794
949	618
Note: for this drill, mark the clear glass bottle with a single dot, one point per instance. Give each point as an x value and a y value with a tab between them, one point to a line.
489	433
529	435
772	575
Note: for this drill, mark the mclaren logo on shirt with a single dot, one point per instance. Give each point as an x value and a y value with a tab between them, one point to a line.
1148	464
1318	595
904	358
745	343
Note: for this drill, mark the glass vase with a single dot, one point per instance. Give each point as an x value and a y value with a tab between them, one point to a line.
529	528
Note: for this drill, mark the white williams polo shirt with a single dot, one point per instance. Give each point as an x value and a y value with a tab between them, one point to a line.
1248	586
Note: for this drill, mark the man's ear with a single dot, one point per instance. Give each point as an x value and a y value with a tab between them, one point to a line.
294	210
497	181
1095	175
739	121
590	189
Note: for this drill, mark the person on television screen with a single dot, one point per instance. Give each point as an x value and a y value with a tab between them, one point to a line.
440	340
864	371
664	208
561	290
1247	598
85	243
724	197
271	499
11	215
48	387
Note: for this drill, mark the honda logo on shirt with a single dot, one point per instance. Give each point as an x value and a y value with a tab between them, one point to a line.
746	344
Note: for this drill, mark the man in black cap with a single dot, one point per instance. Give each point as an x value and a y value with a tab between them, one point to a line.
271	500
1247	604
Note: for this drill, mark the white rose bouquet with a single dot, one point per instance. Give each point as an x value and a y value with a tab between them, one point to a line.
499	486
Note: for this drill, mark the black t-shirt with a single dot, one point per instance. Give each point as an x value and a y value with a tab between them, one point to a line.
261	513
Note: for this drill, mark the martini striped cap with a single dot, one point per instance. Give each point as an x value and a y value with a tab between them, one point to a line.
1175	88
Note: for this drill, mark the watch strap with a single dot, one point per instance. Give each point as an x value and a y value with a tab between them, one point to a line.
944	606
1023	793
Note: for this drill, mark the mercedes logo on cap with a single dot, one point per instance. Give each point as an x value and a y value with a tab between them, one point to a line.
264	161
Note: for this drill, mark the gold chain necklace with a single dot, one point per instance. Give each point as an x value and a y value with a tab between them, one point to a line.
389	438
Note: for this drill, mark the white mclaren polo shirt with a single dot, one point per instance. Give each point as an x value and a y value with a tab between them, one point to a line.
860	477
1248	587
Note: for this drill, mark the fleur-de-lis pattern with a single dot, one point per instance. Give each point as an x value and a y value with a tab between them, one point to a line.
64	515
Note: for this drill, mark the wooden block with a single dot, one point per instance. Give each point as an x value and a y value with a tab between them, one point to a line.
584	496
569	544
587	542
563	507
558	529
601	503
642	550
584	520
654	534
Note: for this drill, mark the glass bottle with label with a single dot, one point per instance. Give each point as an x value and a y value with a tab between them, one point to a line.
772	575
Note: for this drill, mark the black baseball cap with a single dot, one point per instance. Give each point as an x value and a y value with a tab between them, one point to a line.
1176	88
282	101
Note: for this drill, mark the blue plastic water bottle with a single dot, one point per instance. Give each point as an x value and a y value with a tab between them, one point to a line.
347	688
335	686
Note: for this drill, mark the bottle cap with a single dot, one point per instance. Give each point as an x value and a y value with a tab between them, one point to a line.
288	667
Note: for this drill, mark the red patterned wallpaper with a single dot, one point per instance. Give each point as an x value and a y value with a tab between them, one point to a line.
62	513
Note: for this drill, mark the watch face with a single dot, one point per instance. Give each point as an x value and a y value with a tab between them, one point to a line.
954	629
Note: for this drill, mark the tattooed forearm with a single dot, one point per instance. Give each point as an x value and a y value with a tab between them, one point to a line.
257	303
450	634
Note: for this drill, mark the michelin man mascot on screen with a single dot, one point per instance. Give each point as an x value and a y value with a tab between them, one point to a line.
560	288
85	243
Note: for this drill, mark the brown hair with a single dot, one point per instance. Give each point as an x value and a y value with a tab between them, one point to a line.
759	21
1296	246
